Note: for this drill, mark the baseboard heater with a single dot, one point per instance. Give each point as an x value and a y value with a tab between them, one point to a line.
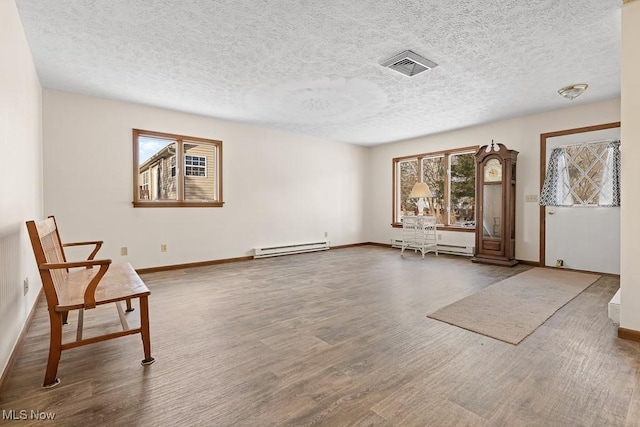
297	248
445	249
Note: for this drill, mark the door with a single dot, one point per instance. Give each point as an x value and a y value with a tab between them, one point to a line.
582	237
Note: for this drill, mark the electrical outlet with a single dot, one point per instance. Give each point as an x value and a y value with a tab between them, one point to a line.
326	234
25	283
124	251
439	236
533	198
163	247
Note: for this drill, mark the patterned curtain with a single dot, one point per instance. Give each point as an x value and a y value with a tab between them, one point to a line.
556	190
610	188
583	174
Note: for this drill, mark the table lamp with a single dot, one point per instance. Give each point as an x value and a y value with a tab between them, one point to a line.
419	191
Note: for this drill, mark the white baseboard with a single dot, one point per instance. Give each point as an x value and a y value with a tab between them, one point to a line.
614	308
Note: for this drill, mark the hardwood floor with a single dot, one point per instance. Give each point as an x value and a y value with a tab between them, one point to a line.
334	338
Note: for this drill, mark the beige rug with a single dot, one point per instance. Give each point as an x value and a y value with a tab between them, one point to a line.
512	309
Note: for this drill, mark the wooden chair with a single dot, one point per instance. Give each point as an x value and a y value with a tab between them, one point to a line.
67	288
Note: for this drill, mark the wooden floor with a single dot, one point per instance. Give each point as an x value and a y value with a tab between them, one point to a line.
335	338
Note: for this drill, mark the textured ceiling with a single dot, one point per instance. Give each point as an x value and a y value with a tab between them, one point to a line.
312	66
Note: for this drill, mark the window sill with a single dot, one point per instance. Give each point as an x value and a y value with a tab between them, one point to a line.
445	228
167	204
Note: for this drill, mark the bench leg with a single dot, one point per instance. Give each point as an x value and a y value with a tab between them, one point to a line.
80	324
129	308
144	326
55	343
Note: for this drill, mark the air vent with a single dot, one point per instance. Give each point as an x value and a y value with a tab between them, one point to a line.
409	63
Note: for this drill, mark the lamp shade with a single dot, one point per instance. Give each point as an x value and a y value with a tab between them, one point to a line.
419	190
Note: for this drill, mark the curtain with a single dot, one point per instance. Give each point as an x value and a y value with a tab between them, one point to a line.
583	174
610	189
556	190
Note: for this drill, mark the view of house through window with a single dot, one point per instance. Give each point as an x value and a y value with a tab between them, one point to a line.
175	170
451	178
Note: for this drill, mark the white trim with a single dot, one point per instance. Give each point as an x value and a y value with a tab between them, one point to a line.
198	167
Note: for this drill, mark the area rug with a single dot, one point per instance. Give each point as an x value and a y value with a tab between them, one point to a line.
512	309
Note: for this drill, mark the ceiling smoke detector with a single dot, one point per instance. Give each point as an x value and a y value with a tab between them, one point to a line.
409	63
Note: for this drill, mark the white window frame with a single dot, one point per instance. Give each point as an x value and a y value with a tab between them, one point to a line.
145	179
198	167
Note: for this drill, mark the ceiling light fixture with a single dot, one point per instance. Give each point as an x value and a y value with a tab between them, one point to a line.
573	91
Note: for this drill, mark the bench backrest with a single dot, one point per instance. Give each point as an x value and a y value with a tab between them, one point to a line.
47	248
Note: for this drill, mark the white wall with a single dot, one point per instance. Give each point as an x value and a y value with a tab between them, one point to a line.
630	200
522	134
278	187
20	176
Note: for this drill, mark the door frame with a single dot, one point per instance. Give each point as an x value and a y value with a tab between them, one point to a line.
543	172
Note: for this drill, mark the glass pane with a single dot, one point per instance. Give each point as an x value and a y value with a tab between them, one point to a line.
199	172
463	190
154	157
434	176
408	176
585	166
492	210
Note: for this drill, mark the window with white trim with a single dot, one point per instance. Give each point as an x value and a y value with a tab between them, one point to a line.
144	187
195	166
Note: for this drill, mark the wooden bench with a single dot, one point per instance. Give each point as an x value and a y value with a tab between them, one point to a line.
68	288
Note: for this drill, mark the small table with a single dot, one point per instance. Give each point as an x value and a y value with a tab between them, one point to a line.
419	233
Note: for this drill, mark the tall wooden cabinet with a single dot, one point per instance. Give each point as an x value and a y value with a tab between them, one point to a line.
495	205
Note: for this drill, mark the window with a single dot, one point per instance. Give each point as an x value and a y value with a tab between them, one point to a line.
462	189
195	166
144	187
158	180
586	174
433	174
451	177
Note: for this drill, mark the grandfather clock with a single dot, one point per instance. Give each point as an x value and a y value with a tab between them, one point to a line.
495	205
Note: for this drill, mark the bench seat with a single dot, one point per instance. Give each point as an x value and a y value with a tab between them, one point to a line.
77	285
120	282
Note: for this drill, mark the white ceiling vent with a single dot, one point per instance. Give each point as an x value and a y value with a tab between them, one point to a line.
409	63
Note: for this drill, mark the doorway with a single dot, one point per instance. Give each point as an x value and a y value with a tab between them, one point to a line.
579	237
